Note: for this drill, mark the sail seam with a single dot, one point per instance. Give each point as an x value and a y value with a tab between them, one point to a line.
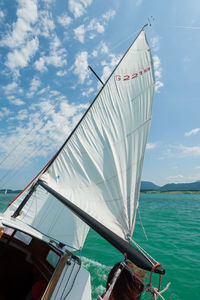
144	90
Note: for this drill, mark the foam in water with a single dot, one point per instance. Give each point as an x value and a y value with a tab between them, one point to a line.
98	273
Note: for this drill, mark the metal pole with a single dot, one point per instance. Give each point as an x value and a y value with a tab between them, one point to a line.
95	74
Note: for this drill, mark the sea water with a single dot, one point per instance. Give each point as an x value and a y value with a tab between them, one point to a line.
172	225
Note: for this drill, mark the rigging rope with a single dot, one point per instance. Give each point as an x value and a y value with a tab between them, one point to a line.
144	252
138	210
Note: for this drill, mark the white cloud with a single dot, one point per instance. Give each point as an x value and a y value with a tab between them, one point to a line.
81	66
22	115
34	85
88	92
151	146
96	26
28	10
42	91
157	67
26	16
2	15
183	178
182	151
79	33
78	7
94	53
54	93
40	64
159	84
56	57
48	1
104	48
108	65
64	20
10	87
46	129
175	177
192	132
189	150
22	38
55	43
109	14
61	73
158	73
16	101
4	112
20	58
106	73
46	24
92	36
155	43
93	27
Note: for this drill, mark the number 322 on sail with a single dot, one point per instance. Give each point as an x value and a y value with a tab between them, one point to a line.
129	77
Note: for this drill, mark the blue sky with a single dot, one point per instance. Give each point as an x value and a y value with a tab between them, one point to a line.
46	47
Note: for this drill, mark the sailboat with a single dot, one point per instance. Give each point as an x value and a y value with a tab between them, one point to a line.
93	181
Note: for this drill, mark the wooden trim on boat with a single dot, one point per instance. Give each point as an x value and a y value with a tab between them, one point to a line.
54	279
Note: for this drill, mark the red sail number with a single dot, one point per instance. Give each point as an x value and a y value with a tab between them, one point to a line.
132	76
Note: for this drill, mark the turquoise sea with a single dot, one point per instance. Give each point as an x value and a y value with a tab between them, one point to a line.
172	224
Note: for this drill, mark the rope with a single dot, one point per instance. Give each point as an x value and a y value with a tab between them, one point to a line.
144	252
142	224
154	267
157	293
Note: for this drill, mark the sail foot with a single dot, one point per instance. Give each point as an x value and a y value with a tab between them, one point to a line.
121	245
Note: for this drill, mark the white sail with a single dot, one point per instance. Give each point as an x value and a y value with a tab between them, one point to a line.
99	167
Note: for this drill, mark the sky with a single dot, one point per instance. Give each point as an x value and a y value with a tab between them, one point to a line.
45	49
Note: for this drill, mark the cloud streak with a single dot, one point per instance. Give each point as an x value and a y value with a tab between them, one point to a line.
44	132
192	132
158	73
78	7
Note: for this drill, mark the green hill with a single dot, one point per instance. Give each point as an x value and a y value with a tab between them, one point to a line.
149	186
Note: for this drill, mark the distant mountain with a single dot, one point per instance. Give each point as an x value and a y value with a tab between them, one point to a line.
149	186
193	186
170	187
